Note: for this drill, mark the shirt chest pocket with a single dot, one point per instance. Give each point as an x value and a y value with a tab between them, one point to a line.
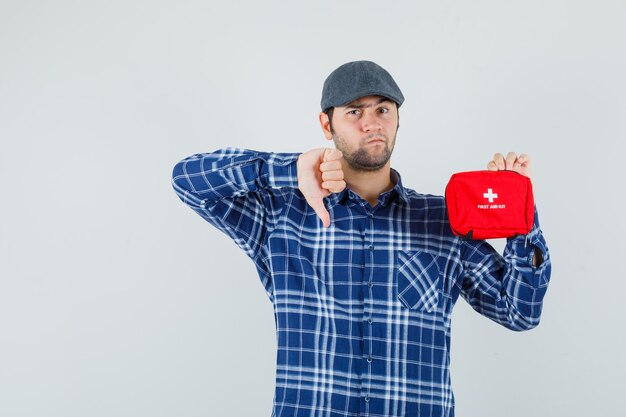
418	280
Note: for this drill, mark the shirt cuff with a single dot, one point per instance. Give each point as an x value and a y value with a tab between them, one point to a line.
280	170
524	245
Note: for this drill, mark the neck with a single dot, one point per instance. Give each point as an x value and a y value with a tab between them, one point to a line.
369	184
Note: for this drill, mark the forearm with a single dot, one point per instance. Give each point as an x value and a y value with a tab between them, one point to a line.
510	289
232	189
525	281
229	172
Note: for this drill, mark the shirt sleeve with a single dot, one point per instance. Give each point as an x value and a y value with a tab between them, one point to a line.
507	288
237	190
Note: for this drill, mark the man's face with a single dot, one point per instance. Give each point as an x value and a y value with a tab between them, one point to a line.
365	132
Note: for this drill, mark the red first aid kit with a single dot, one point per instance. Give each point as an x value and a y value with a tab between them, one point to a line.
490	204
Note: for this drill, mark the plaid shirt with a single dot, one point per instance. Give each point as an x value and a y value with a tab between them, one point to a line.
362	308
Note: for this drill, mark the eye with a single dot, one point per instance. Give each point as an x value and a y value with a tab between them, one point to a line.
354	112
383	110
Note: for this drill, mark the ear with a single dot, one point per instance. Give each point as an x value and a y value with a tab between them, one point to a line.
398	111
325	123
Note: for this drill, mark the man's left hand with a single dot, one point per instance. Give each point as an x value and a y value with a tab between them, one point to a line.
512	162
520	164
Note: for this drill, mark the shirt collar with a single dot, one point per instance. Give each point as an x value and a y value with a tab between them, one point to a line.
398	190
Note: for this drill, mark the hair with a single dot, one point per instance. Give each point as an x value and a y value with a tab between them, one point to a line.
330	112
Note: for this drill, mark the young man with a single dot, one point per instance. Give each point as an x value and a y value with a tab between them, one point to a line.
362	272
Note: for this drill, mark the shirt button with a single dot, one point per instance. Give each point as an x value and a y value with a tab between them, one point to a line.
369	359
371	247
367	398
369	284
369	321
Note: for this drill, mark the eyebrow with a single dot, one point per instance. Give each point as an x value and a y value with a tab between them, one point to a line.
356	105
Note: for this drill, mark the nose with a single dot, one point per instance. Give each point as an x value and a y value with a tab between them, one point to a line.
370	122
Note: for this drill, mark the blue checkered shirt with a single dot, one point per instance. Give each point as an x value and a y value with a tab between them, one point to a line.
362	308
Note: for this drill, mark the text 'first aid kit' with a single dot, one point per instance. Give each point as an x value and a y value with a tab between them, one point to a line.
490	204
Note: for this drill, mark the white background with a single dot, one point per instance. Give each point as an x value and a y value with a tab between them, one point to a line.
117	300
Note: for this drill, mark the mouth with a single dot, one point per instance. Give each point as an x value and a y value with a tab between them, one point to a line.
375	140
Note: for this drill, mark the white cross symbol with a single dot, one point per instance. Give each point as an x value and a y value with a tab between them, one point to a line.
490	195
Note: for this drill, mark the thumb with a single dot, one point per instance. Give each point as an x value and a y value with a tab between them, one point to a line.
317	205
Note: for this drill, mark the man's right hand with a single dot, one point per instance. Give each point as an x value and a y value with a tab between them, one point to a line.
319	174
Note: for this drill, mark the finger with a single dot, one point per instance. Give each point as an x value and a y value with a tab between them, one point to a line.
510	160
335	154
327	152
523	159
318	206
330	166
491	166
332	154
499	160
332	175
334	186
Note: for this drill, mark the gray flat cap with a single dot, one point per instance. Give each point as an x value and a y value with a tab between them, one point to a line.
358	79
